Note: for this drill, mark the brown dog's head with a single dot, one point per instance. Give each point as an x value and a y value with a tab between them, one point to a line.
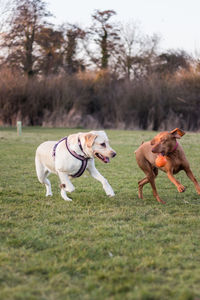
96	144
165	141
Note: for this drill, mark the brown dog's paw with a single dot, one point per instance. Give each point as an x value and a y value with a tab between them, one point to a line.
181	188
140	194
160	200
198	189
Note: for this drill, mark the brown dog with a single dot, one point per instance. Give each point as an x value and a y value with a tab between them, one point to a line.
166	144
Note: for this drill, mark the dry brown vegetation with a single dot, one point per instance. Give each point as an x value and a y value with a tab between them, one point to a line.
102	76
101	100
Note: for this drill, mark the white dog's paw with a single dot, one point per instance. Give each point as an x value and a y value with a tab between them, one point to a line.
49	194
110	193
67	199
64	196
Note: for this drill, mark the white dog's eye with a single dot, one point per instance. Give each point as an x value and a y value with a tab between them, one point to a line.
103	145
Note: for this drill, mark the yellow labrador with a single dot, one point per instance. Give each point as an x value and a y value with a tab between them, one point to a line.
69	157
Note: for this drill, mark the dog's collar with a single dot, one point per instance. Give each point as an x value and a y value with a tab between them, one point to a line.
83	159
174	149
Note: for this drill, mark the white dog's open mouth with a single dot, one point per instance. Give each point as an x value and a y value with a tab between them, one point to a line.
102	158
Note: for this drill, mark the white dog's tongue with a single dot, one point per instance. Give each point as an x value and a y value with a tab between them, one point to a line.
106	160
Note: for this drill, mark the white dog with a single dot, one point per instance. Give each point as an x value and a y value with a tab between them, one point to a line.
69	157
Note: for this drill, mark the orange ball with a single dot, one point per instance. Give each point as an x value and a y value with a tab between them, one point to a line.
160	160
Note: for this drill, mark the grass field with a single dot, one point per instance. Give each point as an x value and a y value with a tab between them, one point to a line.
96	247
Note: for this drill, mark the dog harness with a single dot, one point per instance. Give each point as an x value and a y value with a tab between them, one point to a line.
83	159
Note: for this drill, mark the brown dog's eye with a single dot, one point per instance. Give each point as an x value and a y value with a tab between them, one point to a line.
163	141
152	142
103	145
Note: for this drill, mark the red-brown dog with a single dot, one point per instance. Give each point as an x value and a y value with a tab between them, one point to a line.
164	143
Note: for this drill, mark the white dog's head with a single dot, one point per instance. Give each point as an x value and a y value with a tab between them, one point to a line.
96	144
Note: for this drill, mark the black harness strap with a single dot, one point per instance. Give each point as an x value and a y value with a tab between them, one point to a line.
83	159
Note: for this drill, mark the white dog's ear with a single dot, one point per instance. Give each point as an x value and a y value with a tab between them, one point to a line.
89	139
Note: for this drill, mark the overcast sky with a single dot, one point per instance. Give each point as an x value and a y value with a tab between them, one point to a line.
176	21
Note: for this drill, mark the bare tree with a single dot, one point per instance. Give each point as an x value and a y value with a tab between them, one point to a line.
72	35
5	8
50	52
130	50
136	51
28	17
105	36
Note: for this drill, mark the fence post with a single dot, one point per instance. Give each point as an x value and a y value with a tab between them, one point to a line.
19	128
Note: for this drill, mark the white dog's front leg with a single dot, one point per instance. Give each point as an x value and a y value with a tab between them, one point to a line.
95	173
65	185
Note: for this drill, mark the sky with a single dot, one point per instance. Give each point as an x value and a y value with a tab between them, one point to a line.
177	22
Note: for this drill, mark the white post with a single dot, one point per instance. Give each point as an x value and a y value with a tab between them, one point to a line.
19	128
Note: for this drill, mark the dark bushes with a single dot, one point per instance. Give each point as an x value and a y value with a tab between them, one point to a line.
101	100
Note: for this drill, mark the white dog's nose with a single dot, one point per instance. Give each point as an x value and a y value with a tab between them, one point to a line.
114	154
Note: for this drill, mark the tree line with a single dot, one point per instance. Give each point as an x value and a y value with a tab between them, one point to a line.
107	75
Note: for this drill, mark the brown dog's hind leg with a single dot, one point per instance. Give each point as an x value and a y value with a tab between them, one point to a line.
151	174
141	183
145	166
155	193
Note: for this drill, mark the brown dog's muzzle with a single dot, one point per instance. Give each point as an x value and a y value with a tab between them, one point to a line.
156	149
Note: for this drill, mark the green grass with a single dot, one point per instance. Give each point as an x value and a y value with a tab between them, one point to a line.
96	247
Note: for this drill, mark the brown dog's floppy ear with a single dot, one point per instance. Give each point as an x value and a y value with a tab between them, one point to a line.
153	142
89	139
177	133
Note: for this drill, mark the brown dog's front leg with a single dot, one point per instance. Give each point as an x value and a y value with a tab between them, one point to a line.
191	176
155	193
179	186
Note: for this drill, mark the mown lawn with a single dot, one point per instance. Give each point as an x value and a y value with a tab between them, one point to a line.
96	247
